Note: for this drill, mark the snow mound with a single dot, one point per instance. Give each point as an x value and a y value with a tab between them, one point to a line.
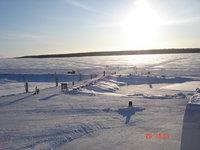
101	87
195	99
104	86
83	91
177	96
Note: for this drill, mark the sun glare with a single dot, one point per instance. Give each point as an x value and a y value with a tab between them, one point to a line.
141	26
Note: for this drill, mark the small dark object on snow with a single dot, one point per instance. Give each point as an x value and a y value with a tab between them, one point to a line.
163	76
64	86
104	73
130	104
26	87
37	90
71	72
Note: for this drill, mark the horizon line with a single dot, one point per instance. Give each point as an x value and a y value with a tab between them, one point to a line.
119	52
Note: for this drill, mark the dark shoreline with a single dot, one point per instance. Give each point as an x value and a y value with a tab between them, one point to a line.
126	52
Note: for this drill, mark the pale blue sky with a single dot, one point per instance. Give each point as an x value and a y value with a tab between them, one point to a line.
64	26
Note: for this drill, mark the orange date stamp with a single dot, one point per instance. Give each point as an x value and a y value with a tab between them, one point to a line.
161	136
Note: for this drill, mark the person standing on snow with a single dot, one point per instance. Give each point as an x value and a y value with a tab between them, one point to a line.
37	90
26	87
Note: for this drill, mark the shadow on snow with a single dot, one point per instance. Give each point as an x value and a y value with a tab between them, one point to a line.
128	112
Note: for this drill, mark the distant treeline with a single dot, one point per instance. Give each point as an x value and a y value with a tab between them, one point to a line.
126	52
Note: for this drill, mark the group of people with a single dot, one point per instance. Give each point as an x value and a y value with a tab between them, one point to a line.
37	90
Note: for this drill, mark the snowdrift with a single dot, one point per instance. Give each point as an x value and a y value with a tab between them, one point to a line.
195	99
101	87
167	96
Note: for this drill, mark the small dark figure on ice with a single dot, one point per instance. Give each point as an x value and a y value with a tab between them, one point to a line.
37	90
130	104
104	73
56	79
26	87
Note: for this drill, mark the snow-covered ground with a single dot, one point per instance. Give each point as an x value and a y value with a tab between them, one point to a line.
94	114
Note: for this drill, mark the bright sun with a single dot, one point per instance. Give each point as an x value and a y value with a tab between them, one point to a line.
141	26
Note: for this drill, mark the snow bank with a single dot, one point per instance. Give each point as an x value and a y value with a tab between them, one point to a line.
195	99
82	92
177	96
103	86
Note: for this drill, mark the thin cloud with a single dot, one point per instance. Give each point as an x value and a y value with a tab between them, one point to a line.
182	21
163	23
19	35
82	6
108	25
